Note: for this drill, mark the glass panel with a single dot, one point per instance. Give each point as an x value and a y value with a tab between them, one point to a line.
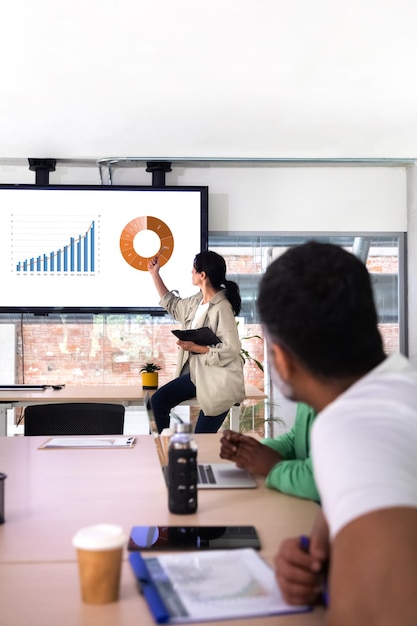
247	258
91	349
110	349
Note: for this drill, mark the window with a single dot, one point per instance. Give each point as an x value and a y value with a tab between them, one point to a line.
110	349
248	256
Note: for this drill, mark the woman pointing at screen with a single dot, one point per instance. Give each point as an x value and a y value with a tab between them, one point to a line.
213	374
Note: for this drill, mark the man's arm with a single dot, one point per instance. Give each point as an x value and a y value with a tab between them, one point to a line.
284	444
295	478
248	453
373	574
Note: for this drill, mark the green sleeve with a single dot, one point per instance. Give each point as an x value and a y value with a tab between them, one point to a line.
284	444
294	475
295	478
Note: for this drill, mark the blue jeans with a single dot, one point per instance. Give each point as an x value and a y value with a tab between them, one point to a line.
172	394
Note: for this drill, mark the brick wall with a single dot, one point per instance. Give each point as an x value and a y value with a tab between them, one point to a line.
112	349
108	352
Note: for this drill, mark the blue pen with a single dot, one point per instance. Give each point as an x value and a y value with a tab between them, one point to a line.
305	546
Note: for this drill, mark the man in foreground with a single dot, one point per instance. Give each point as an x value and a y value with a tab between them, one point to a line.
317	308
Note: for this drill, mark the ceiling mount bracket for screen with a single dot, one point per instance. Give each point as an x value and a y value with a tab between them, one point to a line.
42	167
158	170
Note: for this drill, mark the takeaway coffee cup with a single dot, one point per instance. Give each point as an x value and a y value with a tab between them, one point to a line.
99	554
2	485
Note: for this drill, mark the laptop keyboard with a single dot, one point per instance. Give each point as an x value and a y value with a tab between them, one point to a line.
205	475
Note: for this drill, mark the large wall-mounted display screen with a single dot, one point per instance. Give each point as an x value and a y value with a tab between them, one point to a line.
87	248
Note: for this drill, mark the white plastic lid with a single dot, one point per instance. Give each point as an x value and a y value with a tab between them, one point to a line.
99	537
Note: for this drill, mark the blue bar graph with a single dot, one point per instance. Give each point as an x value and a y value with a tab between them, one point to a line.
78	255
72	255
92	247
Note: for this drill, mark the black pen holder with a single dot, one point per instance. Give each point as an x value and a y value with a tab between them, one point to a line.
2	489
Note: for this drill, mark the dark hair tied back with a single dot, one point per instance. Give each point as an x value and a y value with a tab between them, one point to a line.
214	266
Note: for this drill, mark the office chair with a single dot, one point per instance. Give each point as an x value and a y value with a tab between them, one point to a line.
74	418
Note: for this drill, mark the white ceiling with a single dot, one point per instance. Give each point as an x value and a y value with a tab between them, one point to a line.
222	79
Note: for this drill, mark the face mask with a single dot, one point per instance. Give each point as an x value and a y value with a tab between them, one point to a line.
280	384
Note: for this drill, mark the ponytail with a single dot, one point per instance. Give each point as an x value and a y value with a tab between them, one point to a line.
233	295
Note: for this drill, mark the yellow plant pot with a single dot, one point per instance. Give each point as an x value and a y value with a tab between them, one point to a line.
149	380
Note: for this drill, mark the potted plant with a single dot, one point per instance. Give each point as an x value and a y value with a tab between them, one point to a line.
249	357
149	372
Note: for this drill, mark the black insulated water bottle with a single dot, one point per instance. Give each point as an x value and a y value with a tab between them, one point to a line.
182	471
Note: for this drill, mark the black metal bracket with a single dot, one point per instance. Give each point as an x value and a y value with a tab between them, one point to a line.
42	167
158	170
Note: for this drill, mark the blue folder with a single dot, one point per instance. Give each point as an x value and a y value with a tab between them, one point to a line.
148	589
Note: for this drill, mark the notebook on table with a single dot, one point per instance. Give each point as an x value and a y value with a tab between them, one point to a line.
216	585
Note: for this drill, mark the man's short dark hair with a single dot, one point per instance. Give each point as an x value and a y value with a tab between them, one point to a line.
316	301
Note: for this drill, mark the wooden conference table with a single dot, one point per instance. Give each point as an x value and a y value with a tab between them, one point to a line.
51	493
128	395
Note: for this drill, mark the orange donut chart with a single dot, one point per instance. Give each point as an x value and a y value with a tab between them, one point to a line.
136	226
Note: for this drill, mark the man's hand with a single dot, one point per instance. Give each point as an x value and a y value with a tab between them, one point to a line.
299	571
248	453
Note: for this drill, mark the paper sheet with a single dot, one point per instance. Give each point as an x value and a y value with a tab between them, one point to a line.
89	442
222	584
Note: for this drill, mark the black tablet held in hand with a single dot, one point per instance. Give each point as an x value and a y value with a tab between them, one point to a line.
201	336
193	538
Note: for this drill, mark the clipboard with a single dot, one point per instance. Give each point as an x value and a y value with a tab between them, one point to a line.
209	586
201	336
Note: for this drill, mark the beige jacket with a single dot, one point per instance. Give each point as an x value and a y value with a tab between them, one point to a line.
218	374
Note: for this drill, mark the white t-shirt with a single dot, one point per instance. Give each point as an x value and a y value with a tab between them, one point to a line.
364	445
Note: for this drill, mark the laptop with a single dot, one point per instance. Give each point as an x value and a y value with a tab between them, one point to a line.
220	476
213	475
29	387
223	476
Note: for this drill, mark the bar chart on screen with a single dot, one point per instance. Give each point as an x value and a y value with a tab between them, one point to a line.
42	246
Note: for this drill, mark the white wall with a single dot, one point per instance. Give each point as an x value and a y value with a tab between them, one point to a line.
304	199
272	198
7	354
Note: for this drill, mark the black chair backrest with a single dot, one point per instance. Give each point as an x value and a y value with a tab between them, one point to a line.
74	418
